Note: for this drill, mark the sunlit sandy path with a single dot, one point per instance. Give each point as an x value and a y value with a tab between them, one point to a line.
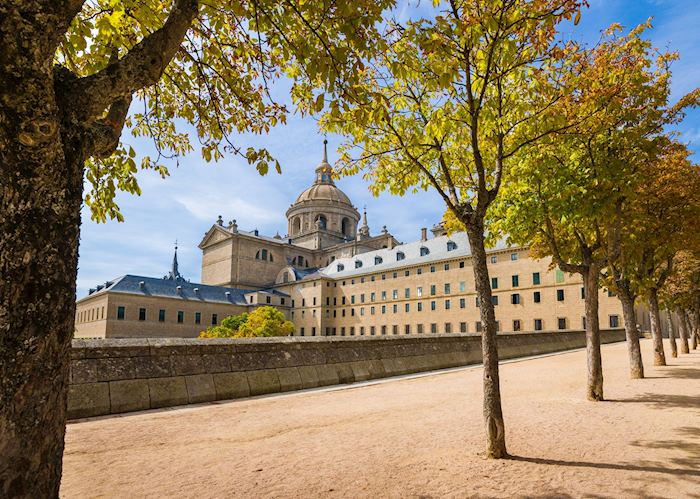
412	437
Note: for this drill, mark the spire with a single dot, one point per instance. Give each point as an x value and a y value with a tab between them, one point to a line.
364	230
325	150
324	170
174	274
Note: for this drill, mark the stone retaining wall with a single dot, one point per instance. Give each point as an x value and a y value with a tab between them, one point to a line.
122	375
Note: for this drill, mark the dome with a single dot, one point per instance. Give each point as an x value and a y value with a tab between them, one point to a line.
324	192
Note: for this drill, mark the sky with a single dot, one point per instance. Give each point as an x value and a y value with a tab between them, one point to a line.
183	206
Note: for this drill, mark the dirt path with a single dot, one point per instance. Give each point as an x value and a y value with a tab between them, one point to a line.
417	437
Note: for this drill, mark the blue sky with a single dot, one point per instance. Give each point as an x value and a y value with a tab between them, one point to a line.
184	205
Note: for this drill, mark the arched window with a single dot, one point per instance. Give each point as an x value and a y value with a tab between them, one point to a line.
358	264
285	278
345	227
332	258
378	260
424	251
400	255
271	259
296	226
257	255
322	222
341	267
264	254
451	245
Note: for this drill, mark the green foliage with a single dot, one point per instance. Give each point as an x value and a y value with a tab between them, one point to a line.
262	322
219	82
265	321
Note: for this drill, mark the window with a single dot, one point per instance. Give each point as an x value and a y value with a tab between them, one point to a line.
383	277
433	328
462	327
515	299
142	314
407	329
477	302
538	324
395	307
494	259
313	331
371	310
395	329
461	265
407	292
494	300
352	299
161	315
342	331
535	278
301	331
478	326
352	330
448	327
407	307
384	309
536	297
513	256
407	273
419	306
583	323
343	300
372	330
395	294
614	321
419	328
558	276
494	283
516	325
372	296
198	317
515	281
462	303
214	319
424	251
400	255
267	299
462	286
395	275
383	295
451	246
419	291
432	305
419	271
561	323
120	313
447	288
180	316
447	304
560	295
433	290
358	264
362	298
341	267
432	268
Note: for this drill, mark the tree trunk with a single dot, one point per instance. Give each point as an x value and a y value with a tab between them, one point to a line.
656	335
633	351
694	322
683	330
41	179
671	334
594	386
493	415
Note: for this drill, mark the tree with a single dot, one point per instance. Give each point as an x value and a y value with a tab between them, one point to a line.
69	70
682	289
227	329
263	322
568	193
446	104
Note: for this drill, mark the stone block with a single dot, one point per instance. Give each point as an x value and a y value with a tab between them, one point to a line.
263	381
345	374
152	367
231	385
167	392
390	367
88	399
84	371
360	370
376	369
327	375
129	395
217	363
289	379
187	364
200	388
309	376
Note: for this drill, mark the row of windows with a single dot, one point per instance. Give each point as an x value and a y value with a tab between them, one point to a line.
400	255
197	316
537	325
92	314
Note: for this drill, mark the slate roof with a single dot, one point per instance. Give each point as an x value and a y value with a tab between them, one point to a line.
167	288
436	247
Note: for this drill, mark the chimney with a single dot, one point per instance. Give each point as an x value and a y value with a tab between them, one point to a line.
424	234
179	290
